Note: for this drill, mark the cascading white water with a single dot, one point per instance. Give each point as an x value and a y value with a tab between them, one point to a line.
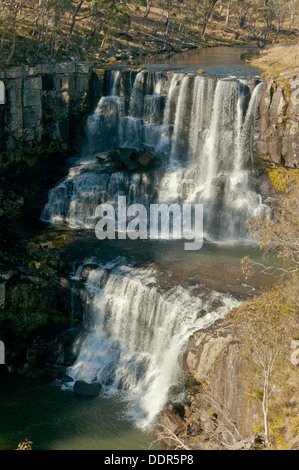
179	147
201	128
115	77
202	131
139	331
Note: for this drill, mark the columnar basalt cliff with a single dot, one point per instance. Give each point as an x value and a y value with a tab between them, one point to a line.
279	136
44	103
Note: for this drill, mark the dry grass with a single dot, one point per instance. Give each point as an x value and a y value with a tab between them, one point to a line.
144	36
278	59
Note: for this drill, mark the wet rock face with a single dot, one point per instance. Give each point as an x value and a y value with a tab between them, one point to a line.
130	159
87	390
41	310
279	140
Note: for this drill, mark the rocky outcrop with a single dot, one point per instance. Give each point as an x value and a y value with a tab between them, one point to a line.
41	308
86	389
213	358
279	137
221	409
44	103
128	159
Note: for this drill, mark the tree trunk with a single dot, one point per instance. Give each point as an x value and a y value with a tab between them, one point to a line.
207	16
13	45
148	8
228	14
2	40
265	412
242	21
220	7
74	18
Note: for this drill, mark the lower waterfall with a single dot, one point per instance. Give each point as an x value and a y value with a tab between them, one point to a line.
202	132
139	328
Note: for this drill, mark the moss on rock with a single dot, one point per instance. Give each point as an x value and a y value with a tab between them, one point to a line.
281	178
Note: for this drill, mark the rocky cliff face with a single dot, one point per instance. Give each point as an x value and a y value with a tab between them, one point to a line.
41	308
213	357
43	104
279	140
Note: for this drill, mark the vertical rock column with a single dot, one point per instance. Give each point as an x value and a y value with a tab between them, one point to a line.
43	105
279	142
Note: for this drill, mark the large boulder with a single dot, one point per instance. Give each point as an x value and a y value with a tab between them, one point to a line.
87	389
126	158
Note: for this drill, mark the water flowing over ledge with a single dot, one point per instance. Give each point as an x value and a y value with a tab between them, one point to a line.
139	327
202	132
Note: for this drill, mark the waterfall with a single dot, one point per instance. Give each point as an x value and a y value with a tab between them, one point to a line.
197	114
179	146
115	83
202	133
202	130
139	331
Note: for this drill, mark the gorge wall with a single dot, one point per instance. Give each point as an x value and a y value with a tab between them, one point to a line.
44	103
279	142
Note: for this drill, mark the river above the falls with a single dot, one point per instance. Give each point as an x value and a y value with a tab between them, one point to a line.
221	61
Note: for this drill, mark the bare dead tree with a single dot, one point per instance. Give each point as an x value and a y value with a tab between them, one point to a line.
73	21
208	9
148	8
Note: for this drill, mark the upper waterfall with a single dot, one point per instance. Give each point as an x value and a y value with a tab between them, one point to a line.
202	131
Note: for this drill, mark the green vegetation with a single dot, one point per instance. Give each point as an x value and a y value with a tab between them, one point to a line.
267	325
25	445
281	178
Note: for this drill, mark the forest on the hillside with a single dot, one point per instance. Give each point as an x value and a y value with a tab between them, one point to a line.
33	31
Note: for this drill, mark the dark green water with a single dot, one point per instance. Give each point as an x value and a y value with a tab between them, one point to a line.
56	419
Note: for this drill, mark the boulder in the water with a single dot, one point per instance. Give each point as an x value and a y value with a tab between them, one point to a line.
146	158
87	389
67	378
130	159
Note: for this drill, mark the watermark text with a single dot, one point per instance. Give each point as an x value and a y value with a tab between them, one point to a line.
159	221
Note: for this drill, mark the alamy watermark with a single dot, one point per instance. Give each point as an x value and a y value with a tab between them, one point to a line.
158	221
295	354
2	353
